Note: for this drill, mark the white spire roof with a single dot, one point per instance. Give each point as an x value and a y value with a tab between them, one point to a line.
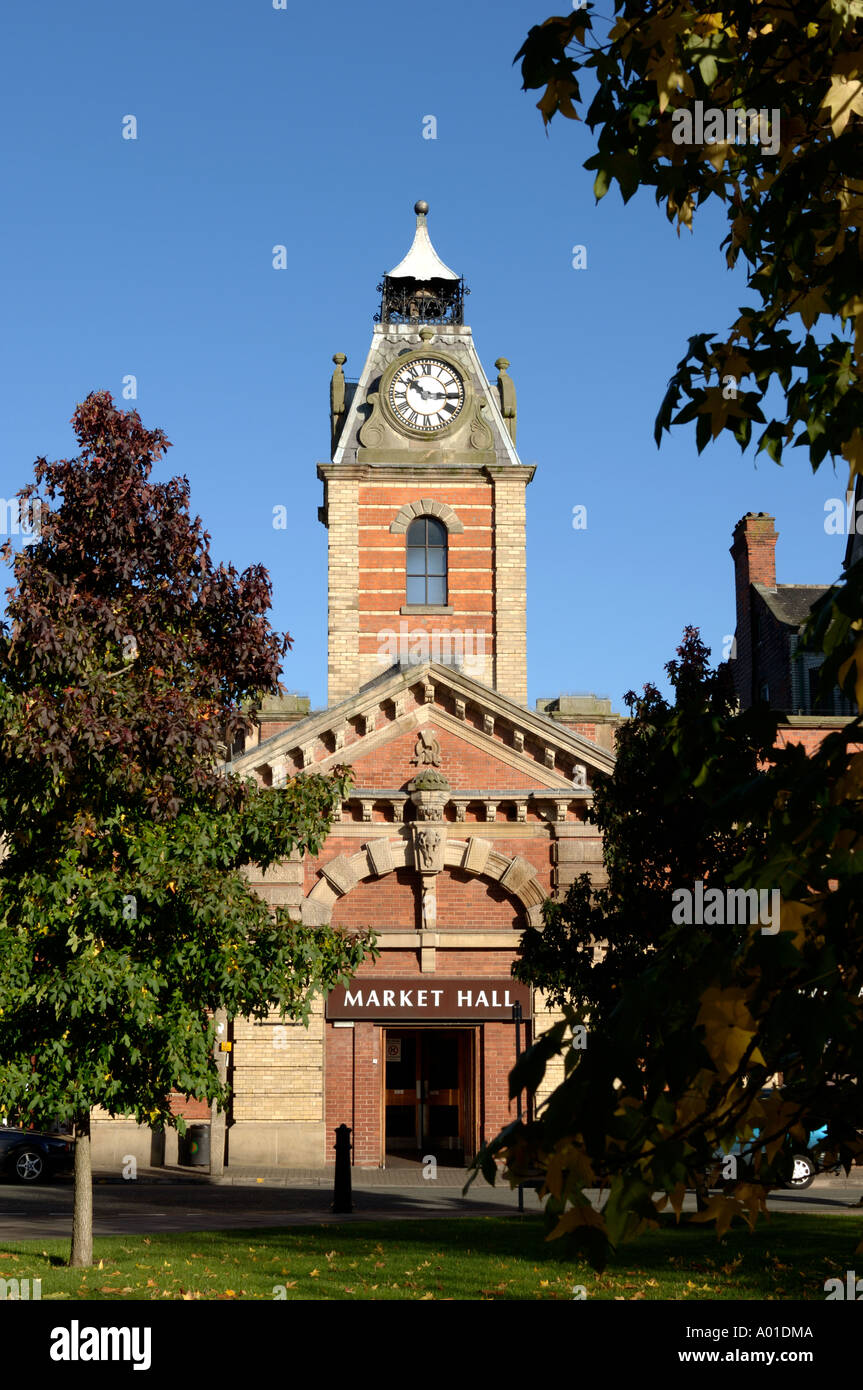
422	262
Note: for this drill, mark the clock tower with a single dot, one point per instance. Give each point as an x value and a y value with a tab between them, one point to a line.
424	495
465	810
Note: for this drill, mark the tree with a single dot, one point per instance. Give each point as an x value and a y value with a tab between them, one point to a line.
690	1013
126	920
674	1073
784	161
657	831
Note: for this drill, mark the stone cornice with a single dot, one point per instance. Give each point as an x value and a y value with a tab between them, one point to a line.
450	939
511	470
406	471
392	687
815	721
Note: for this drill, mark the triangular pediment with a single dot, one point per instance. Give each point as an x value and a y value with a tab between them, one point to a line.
473	733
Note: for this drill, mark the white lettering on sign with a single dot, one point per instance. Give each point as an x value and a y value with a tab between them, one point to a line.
447	999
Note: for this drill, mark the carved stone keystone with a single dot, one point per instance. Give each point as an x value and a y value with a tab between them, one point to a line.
476	855
340	873
380	856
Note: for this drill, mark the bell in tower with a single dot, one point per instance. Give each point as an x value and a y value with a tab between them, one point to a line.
421	289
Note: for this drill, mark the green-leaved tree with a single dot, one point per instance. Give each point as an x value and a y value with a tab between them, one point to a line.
673	1069
126	922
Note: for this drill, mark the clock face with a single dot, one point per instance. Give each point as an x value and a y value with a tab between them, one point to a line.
426	394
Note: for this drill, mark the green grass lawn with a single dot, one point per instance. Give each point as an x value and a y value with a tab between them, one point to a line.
465	1258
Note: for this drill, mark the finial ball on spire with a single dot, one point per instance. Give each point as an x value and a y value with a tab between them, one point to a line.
421	207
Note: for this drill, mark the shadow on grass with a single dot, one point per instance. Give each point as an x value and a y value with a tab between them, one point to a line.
502	1257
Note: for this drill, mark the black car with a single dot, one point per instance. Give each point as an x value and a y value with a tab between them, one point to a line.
29	1156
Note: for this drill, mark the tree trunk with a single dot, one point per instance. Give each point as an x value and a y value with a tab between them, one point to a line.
82	1215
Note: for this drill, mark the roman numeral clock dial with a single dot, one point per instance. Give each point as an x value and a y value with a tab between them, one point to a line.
426	394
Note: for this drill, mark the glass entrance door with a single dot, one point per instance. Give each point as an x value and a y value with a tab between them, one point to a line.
426	1092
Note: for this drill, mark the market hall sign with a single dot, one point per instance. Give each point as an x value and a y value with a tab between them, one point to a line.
428	998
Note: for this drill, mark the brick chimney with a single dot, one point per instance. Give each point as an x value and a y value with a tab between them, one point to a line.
753	551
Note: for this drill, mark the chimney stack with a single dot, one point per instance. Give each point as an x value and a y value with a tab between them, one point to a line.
753	551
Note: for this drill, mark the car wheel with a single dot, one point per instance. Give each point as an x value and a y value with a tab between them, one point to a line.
823	1165
29	1165
804	1172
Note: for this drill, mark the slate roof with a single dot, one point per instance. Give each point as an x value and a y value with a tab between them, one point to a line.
791	604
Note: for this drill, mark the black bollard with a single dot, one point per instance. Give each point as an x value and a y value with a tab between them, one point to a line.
342	1203
516	1016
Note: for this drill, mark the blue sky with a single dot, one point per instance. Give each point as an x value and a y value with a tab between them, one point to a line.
304	127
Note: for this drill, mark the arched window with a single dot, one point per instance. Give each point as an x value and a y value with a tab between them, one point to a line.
426	562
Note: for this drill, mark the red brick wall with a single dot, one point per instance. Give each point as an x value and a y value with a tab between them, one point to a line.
463	765
754	553
353	1067
771	657
466	902
497	1058
354	1079
338	1082
382	586
190	1109
463	902
390	901
811	739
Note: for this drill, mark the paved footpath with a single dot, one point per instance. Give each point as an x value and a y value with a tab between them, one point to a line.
175	1200
409	1176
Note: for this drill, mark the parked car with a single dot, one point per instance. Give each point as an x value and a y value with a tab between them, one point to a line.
30	1156
807	1162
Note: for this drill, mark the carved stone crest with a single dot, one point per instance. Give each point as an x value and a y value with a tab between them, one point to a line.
427	750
